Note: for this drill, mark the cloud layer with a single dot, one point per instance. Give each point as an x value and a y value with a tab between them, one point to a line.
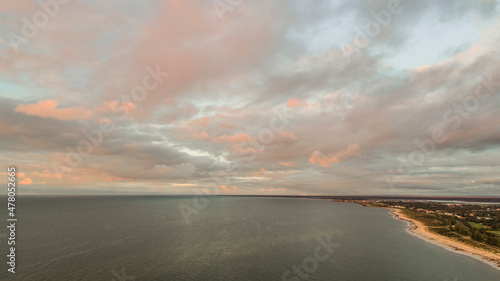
267	97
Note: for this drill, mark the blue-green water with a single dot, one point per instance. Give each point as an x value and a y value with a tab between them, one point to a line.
233	238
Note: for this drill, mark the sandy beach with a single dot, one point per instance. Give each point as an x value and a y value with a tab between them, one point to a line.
420	230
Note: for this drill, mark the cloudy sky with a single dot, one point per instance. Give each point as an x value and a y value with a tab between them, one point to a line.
251	97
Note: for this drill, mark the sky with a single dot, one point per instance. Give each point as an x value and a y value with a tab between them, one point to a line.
251	97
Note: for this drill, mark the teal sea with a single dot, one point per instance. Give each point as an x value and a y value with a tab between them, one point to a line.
232	238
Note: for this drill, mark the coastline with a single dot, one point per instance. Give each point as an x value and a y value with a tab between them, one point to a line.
418	229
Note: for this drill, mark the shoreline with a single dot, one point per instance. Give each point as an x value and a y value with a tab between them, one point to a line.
419	230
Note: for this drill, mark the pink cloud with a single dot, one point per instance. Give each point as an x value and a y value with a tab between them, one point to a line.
288	134
238	138
236	142
245	150
319	158
288	163
48	109
11	6
296	103
230	47
45	174
112	179
201	136
260	173
280	189
112	106
26	181
202	122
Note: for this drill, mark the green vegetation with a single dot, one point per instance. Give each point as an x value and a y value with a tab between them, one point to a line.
476	225
496	232
464	231
428	219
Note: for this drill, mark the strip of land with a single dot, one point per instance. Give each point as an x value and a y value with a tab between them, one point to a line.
422	231
455	227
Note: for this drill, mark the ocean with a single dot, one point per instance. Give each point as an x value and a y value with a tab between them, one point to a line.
226	238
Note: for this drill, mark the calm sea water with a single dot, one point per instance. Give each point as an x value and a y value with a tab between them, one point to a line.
233	238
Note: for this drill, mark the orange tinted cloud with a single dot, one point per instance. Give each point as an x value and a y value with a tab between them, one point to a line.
352	150
112	106
204	121
237	142
26	181
288	134
112	179
260	173
201	136
48	109
296	103
319	158
288	163
238	138
45	174
272	189
10	6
